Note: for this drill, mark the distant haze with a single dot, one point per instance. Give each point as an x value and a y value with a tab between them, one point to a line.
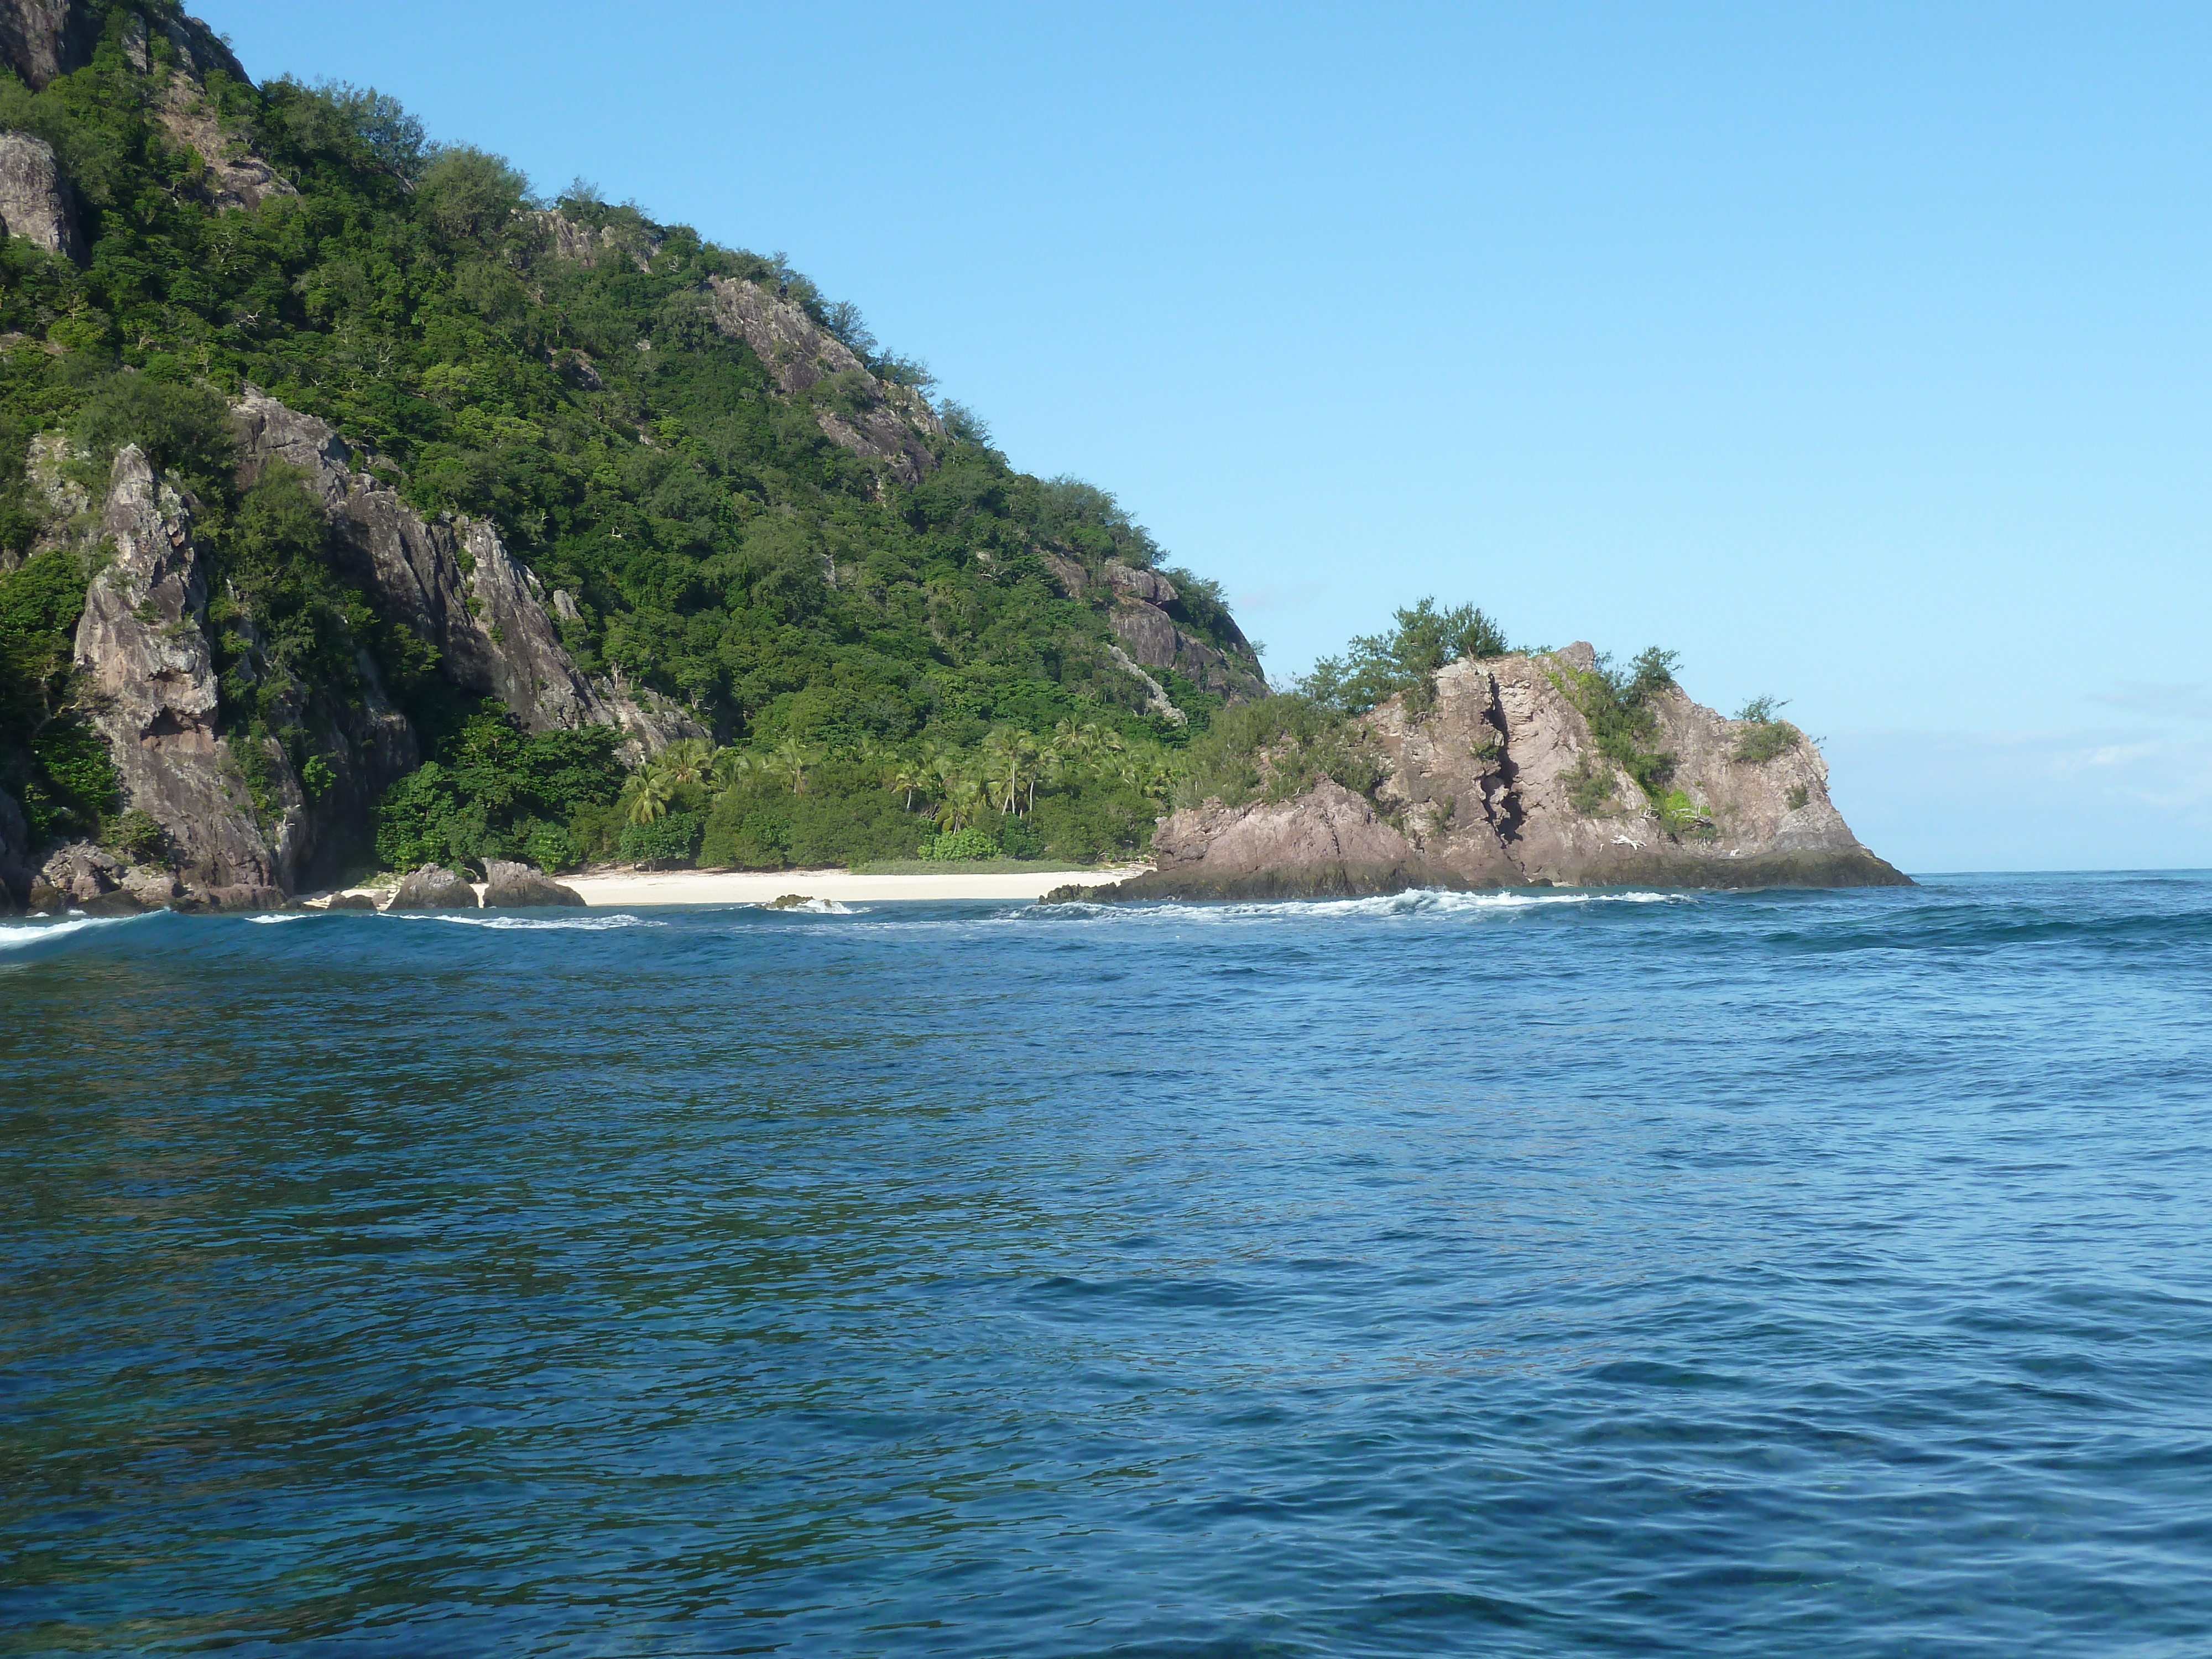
1858	354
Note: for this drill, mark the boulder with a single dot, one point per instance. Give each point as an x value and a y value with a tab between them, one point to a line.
434	887
518	887
151	887
80	871
349	901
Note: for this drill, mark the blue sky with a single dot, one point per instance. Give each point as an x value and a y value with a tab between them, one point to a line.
1858	354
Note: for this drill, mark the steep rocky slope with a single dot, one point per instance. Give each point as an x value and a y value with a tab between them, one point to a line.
145	662
1500	782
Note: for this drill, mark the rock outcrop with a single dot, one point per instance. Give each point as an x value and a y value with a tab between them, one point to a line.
44	40
876	418
1498	782
1143	620
454	583
149	682
36	201
512	886
434	887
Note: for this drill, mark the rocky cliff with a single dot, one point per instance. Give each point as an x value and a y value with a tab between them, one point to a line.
1499	782
243	826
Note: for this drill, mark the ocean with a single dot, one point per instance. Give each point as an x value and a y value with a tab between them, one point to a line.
1544	1273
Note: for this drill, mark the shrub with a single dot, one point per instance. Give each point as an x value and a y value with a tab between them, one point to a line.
1764	742
1678	813
140	835
758	840
1276	749
1589	786
670	839
1799	794
494	793
1375	667
959	845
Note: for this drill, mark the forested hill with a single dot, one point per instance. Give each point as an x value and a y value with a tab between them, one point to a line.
750	541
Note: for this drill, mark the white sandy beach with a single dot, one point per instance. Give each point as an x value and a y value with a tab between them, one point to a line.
626	888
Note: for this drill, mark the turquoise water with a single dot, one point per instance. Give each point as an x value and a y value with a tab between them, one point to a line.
1741	1275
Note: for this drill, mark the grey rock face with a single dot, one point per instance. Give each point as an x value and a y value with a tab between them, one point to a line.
142	653
886	422
36	201
1483	787
80	871
41	40
236	177
1140	621
434	887
457	587
517	886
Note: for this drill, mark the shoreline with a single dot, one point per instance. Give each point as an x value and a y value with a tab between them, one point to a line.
614	889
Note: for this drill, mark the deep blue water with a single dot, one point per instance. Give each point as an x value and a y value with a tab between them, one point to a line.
1744	1275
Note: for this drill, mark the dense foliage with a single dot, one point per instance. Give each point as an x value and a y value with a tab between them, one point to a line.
55	767
719	546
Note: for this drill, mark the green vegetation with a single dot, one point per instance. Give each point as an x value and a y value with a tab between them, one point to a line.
1617	704
1769	737
1375	667
801	599
498	794
57	768
1276	748
1589	786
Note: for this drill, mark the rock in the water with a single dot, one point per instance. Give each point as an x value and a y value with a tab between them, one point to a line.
1495	779
349	901
518	887
80	871
434	887
789	902
35	200
237	896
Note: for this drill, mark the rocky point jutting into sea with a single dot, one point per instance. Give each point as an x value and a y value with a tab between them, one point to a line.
1494	778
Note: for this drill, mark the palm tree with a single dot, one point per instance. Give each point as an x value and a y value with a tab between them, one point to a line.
790	760
688	760
906	776
1004	750
644	796
732	767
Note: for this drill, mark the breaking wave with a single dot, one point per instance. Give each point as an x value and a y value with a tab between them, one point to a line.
528	923
23	936
1418	902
